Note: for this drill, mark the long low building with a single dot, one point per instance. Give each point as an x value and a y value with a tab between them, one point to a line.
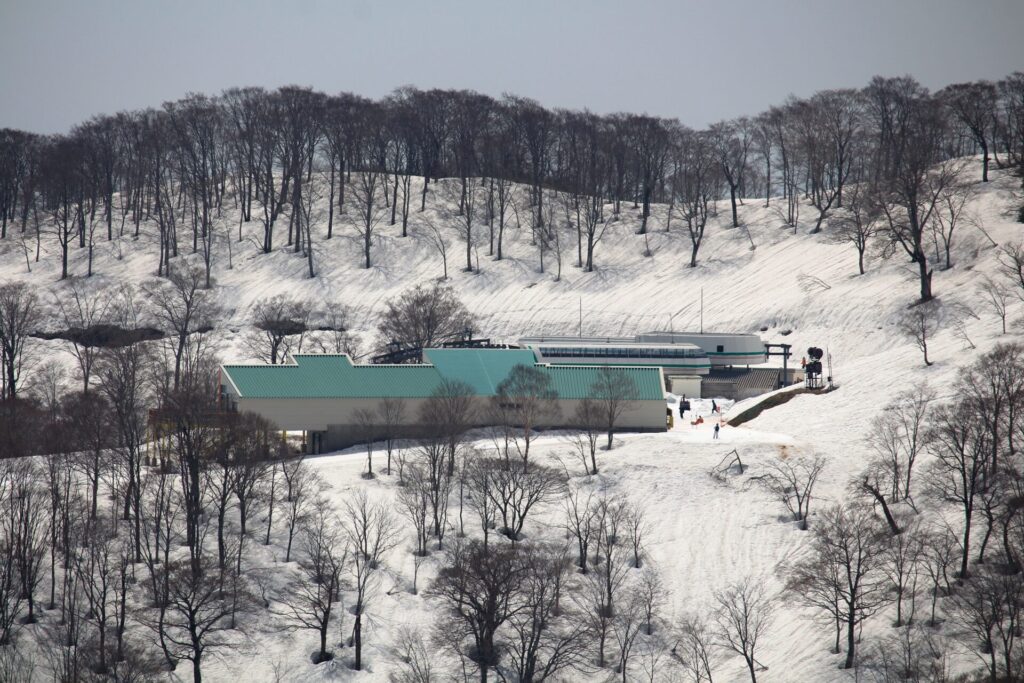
329	398
723	349
685	358
691	352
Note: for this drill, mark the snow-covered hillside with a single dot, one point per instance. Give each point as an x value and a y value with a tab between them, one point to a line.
752	277
764	277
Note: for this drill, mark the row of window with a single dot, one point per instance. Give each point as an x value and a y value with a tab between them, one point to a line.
620	352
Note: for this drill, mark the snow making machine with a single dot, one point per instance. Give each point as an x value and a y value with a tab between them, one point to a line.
812	370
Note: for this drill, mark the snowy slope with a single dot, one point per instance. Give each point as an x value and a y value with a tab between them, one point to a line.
706	533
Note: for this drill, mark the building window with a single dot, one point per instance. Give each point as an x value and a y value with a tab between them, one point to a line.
721	349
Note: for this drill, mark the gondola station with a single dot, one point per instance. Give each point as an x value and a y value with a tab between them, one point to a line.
330	399
328	396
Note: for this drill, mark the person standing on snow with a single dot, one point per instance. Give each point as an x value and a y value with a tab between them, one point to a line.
714	406
716	431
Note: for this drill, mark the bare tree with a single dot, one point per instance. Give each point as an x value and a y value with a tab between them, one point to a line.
626	627
447	415
974	106
614	390
745	613
695	187
62	165
839	115
191	437
997	296
587	420
848	547
256	448
530	399
731	142
366	196
80	311
96	566
482	591
301	488
580	513
857	222
480	475
818	586
915	653
940	553
415	498
1011	263
271	499
876	483
196	615
792	481
89	419
432	475
50	386
919	324
464	201
914	181
123	374
221	483
652	593
550	234
637	527
391	416
503	431
960	447
279	324
989	609
367	428
161	522
423	317
183	308
372	534
546	643
516	491
305	212
603	585
437	240
20	317
898	437
949	214
333	333
310	600
17	666
195	124
695	648
416	658
10	580
902	564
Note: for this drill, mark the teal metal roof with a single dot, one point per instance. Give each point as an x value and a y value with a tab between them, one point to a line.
482	369
574	381
334	376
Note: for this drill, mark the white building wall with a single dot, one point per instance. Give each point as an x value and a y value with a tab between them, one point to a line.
685	385
335	417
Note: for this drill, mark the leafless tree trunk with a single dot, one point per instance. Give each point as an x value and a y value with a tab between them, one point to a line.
745	614
310	600
792	481
372	534
20	316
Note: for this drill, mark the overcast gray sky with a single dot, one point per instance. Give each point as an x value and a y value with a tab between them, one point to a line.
62	61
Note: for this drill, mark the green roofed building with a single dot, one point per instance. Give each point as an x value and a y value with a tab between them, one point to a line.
332	399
